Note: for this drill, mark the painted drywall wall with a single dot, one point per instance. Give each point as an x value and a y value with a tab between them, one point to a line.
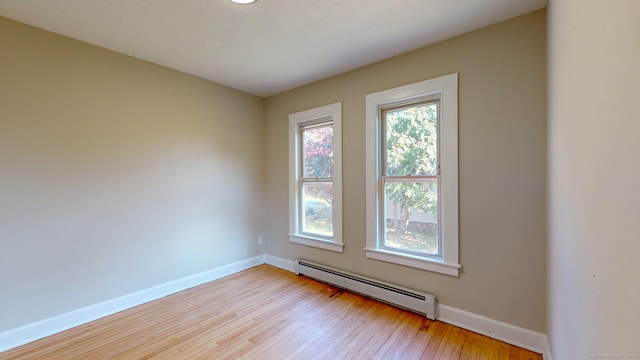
502	136
594	172
116	175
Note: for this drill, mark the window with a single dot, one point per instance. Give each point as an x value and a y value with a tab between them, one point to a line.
412	175
315	177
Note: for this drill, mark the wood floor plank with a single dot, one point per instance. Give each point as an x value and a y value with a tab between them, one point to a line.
383	337
490	349
440	332
360	345
266	313
313	326
471	347
401	337
454	344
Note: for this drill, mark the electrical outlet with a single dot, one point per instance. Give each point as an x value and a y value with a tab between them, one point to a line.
259	240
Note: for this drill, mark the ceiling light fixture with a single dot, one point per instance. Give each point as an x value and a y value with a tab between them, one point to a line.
243	2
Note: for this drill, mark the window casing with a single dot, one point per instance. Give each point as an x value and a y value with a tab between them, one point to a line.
315	177
412	175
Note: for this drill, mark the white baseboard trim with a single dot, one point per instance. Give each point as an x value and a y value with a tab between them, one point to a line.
280	263
508	333
38	330
546	355
511	334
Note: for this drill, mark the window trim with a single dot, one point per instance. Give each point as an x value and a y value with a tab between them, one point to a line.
296	120
446	89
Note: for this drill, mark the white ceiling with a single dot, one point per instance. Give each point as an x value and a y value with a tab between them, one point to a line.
270	46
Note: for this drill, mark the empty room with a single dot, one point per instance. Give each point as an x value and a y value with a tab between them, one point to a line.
350	179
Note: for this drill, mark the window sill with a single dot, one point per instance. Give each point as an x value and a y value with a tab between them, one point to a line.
434	265
316	242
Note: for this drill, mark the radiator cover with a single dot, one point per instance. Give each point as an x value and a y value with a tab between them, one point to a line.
392	294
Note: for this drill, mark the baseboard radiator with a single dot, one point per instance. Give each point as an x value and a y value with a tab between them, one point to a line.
398	296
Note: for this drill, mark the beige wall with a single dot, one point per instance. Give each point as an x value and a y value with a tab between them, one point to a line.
502	168
594	178
116	175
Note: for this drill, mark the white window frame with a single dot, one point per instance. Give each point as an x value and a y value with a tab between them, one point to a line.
446	89
296	120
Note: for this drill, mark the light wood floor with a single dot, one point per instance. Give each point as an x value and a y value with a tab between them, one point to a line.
266	313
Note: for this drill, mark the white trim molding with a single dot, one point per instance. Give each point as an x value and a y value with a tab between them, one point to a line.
332	114
494	329
38	330
436	265
546	355
319	243
445	89
281	263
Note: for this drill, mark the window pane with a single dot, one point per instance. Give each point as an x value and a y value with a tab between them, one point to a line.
411	217
317	151
411	136
317	215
